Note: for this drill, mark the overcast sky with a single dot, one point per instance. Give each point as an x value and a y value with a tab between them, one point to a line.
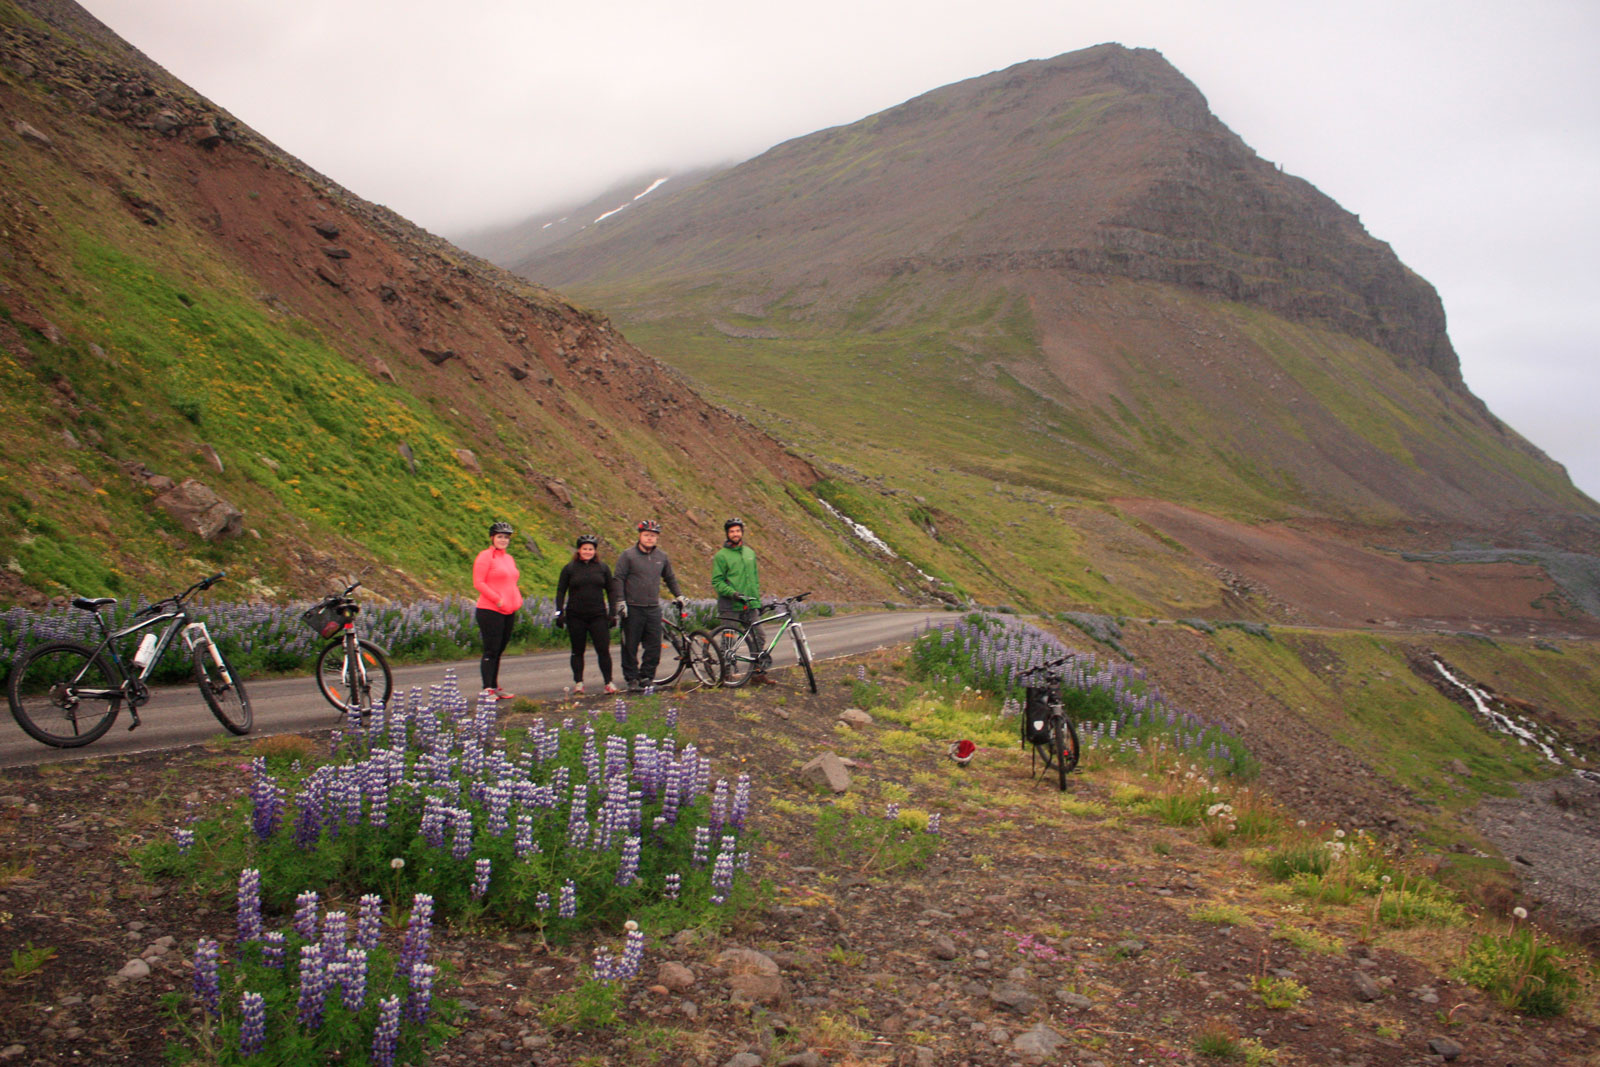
1466	133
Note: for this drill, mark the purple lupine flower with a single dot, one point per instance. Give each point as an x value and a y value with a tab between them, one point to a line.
432	825
266	800
353	980
674	883
719	806
207	981
369	921
313	986
933	823
419	931
672	716
702	846
632	949
542	901
272	945
577	817
892	811
461	842
252	1024
305	915
185	840
386	1037
861	672
741	803
722	872
249	905
480	878
335	926
420	1000
619	711
526	845
628	864
569	900
499	799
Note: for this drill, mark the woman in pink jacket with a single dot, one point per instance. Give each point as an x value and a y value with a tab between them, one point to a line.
494	576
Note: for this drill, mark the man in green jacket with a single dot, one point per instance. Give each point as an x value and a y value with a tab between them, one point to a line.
737	582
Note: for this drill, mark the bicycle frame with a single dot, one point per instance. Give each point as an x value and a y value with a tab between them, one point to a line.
174	621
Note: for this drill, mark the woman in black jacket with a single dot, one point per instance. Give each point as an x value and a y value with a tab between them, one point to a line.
583	604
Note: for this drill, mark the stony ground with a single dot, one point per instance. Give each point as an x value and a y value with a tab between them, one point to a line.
1047	928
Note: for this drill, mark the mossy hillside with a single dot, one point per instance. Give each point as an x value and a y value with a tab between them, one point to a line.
1360	690
165	341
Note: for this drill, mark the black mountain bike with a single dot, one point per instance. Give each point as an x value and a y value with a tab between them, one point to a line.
66	694
352	672
1045	723
742	656
693	649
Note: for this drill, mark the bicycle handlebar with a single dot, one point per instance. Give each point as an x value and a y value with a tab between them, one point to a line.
177	599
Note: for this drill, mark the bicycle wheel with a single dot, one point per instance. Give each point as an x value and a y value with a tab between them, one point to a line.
704	659
44	688
1063	747
803	653
223	692
738	653
674	654
360	680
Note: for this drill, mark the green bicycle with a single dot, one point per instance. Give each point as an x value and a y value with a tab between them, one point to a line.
742	655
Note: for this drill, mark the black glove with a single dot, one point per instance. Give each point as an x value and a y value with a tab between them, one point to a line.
560	619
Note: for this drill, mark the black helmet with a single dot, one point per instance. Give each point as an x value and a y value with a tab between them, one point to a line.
731	523
649	526
500	528
587	539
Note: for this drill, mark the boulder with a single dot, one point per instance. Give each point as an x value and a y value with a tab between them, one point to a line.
201	511
827	772
469	459
380	370
30	133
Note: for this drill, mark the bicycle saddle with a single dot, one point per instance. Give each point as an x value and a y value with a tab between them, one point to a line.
92	605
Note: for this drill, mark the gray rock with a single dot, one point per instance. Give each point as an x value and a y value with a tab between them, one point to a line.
11	1052
803	1059
1014	998
30	133
1038	1045
827	772
675	976
855	717
943	948
1443	1046
469	460
1076	1001
1365	986
201	511
926	1057
134	969
744	1059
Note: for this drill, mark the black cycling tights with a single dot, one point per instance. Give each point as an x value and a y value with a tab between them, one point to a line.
595	628
496	629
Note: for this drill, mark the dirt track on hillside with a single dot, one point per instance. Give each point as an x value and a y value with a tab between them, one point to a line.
1316	576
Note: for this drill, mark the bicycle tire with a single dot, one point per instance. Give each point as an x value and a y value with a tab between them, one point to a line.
35	692
223	692
665	675
704	659
334	677
737	667
803	653
1063	748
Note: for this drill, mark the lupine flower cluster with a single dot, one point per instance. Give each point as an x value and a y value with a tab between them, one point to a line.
329	976
429	795
1116	708
609	968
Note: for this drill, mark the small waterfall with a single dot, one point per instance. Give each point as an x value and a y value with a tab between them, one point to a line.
1524	729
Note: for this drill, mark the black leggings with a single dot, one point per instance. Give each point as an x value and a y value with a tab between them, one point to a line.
590	628
496	629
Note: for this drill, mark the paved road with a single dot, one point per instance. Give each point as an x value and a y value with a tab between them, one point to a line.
176	717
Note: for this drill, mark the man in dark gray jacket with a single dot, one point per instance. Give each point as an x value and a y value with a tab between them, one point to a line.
636	590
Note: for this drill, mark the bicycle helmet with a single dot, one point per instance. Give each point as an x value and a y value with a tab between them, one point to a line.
731	523
649	526
500	528
587	539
